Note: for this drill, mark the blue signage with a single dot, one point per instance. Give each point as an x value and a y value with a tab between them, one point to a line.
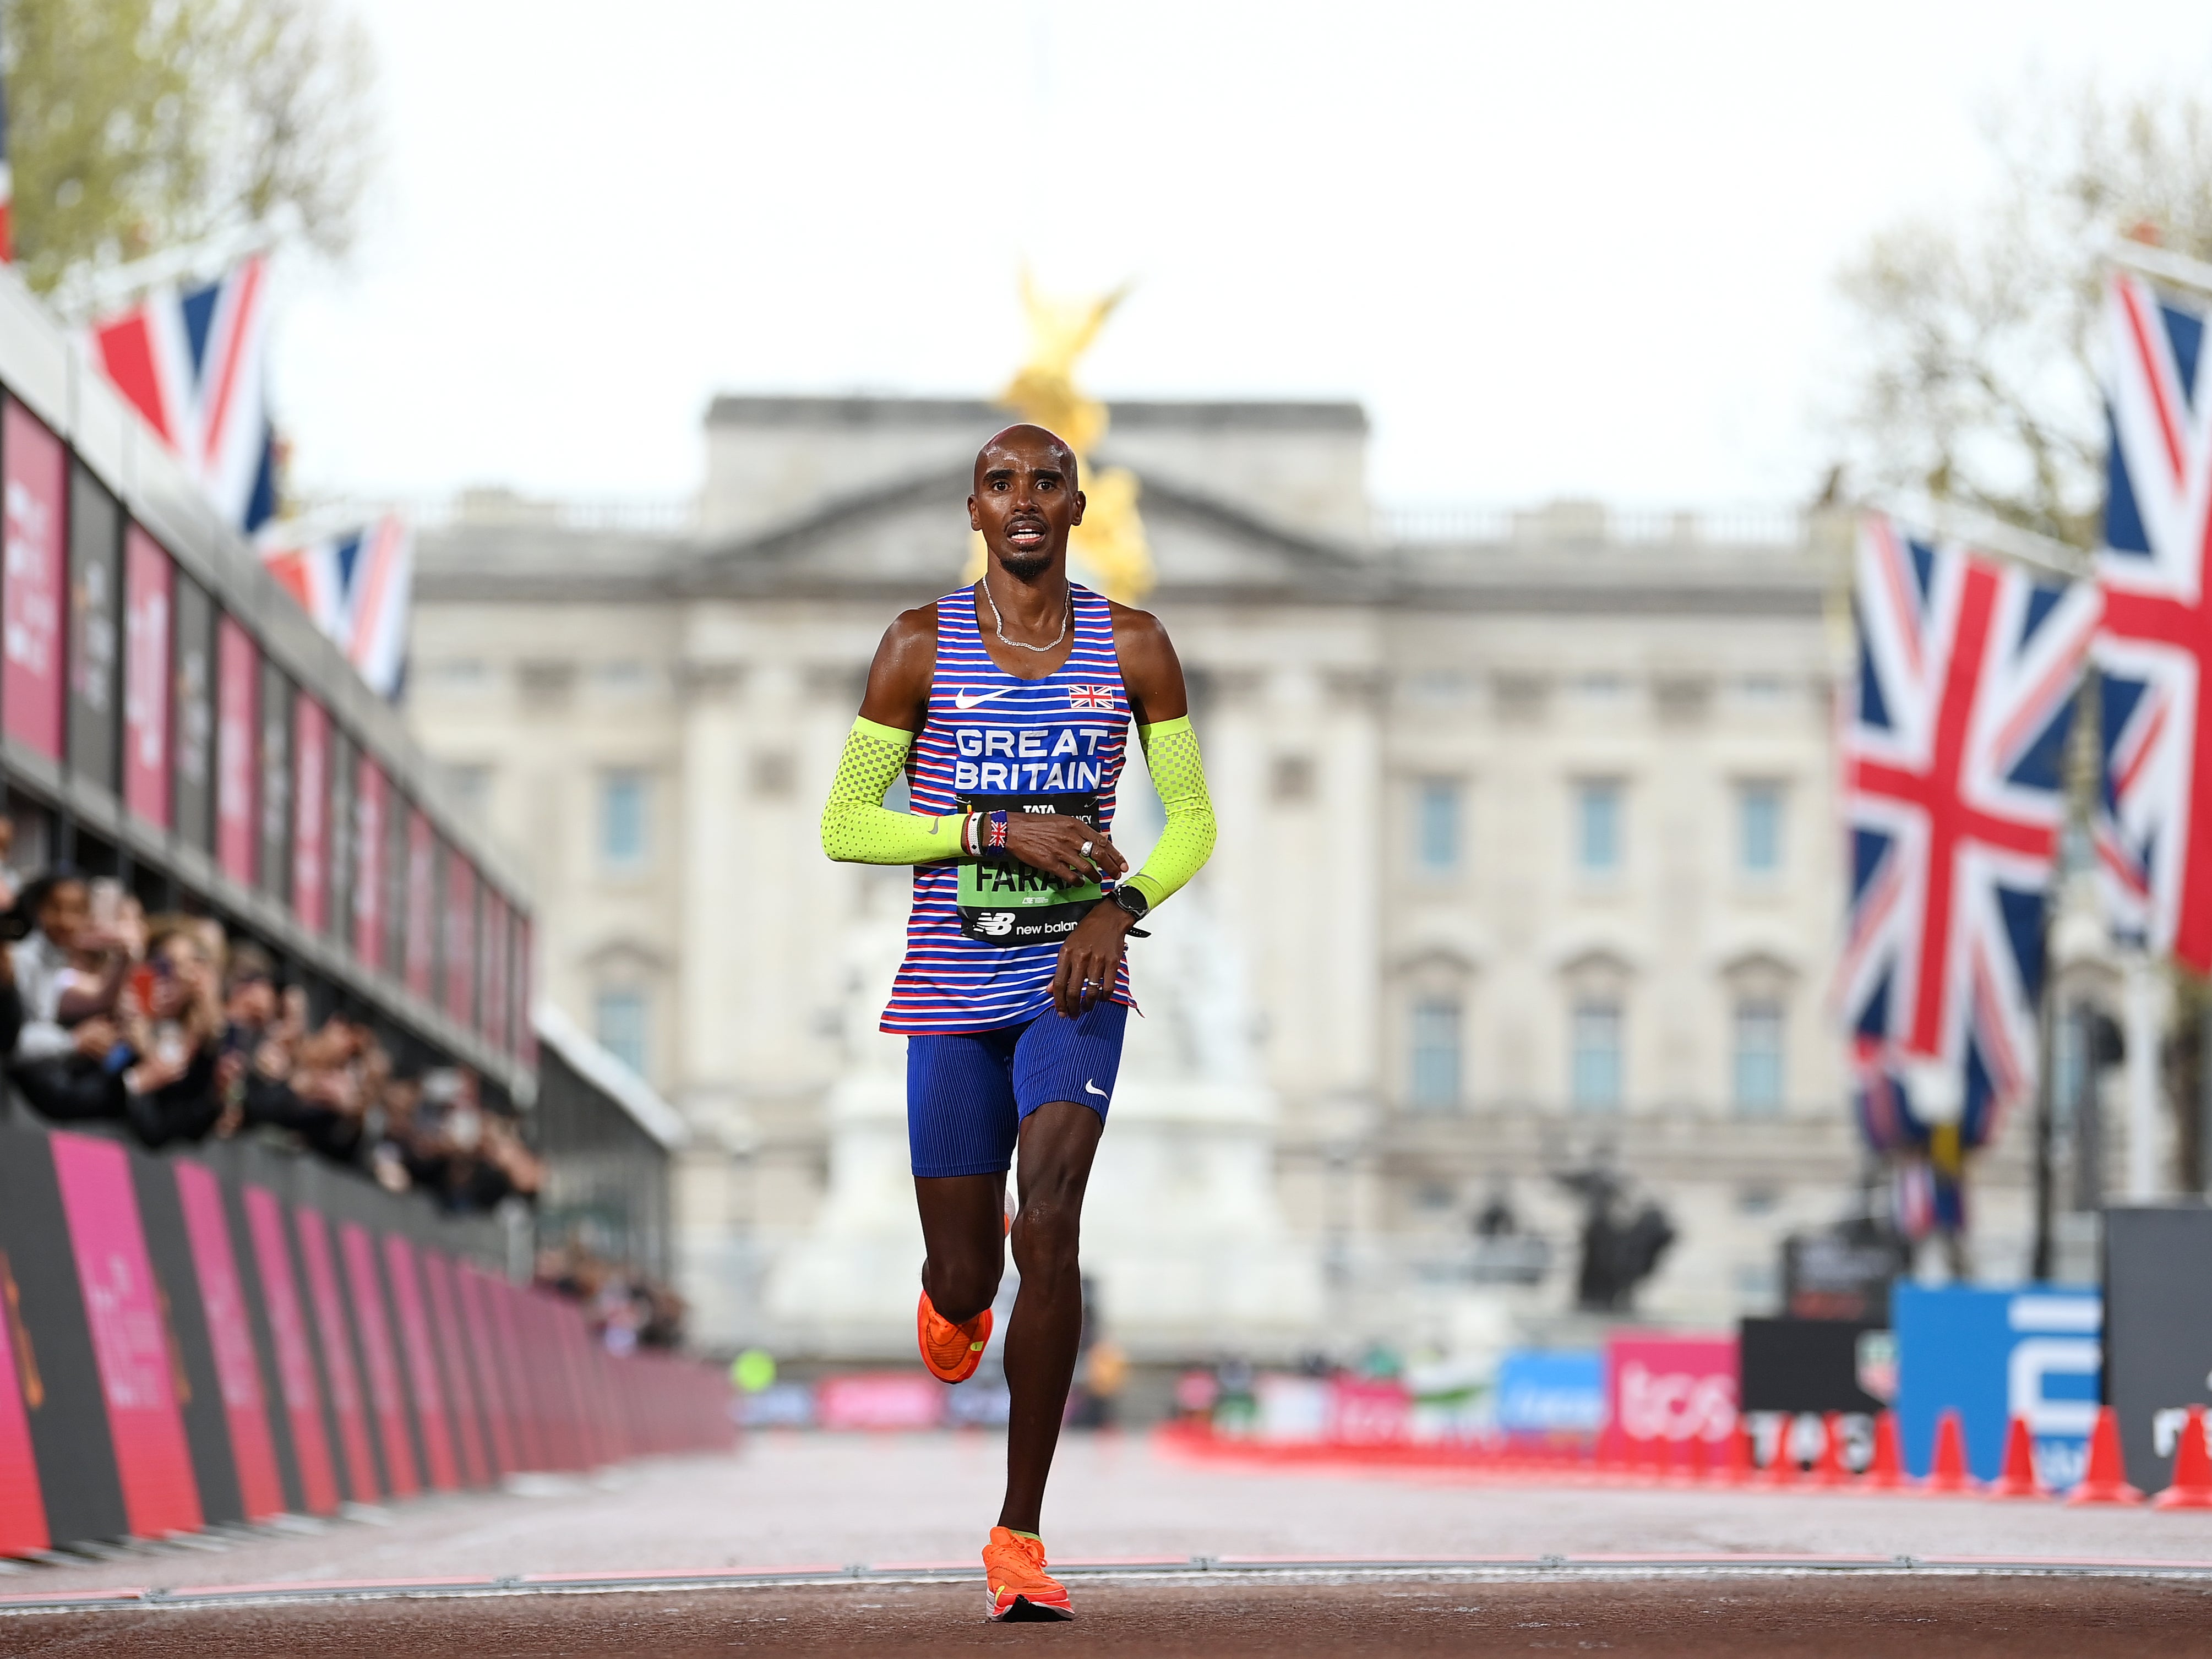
2034	1352
1551	1391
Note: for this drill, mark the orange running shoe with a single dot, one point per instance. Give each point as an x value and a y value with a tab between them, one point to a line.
1022	1591
952	1351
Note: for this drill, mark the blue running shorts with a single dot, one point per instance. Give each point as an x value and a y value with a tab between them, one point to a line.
967	1093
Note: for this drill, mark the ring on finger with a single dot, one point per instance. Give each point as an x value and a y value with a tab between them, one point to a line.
1087	846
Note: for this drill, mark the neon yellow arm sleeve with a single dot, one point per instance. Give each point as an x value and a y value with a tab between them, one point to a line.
1171	751
856	826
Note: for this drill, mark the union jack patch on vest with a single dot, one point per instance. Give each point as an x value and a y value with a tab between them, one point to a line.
1090	697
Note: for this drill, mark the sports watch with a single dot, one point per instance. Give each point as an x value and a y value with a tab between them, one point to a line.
1133	900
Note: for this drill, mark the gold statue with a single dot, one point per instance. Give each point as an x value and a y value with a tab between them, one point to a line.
1109	543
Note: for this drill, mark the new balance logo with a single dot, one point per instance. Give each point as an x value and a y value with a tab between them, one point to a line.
996	923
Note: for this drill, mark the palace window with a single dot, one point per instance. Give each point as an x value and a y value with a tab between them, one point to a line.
620	1021
623	798
1594	1060
1436	826
1758	828
1436	1068
1758	1055
1598	826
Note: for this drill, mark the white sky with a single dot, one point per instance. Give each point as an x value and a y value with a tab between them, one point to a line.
1565	248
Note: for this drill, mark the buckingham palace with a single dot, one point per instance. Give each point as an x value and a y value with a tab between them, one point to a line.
1528	877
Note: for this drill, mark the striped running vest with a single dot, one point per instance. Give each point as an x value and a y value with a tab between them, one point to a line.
983	940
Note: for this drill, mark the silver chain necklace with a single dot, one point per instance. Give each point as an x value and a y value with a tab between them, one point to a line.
999	622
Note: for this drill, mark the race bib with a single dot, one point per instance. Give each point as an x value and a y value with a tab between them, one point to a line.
1008	903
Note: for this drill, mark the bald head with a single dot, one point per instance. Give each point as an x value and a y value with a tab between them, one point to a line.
1026	500
1027	441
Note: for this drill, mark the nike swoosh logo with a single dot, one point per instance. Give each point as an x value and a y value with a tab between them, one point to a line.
963	700
1090	1088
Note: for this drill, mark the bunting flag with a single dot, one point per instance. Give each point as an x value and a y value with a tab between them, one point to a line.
2154	831
355	586
192	361
1953	756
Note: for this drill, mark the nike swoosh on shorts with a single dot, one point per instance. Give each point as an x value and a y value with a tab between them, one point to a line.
964	701
1090	1088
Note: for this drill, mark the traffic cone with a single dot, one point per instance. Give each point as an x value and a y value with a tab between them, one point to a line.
2105	1481
1743	1461
2192	1470
1782	1469
1948	1473
1885	1472
2018	1478
1828	1469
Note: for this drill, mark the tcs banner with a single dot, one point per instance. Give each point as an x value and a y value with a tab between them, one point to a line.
1673	1388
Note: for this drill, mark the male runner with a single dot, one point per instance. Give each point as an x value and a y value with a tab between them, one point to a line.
1008	703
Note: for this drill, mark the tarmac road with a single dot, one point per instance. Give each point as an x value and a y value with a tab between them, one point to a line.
2020	1618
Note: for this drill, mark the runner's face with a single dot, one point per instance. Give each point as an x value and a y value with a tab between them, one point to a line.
1024	503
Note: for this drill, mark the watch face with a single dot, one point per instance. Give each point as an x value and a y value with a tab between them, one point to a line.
1131	900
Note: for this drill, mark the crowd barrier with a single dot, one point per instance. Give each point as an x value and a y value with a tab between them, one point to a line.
187	1343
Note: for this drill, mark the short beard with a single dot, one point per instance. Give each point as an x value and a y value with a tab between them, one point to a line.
1025	567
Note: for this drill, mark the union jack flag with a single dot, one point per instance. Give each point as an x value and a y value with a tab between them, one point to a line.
2154	817
1090	697
193	363
355	584
1952	759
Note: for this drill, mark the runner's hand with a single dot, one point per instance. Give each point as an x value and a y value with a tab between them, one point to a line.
1053	842
1089	959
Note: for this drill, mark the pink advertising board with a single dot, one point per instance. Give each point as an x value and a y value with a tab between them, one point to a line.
294	1356
33	482
1676	1388
148	606
310	813
498	949
371	802
525	1034
421	905
879	1400
487	1369
230	1333
22	1504
460	1383
421	1358
314	1236
377	1362
131	1339
237	767
460	987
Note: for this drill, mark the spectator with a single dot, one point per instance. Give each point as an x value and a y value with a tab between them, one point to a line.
173	1032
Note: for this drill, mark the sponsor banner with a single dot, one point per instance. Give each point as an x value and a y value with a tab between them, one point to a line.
237	722
882	1400
2158	1331
22	1505
1551	1391
1363	1412
32	473
191	701
498	949
272	859
1675	1389
362	1483
481	1339
148	625
191	1359
93	665
1815	1365
525	1033
532	1433
290	1345
424	1385
421	958
454	1365
371	799
131	1341
310	813
379	1365
460	942
230	1339
1992	1356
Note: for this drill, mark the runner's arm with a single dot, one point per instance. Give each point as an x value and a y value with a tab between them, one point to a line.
1171	751
857	828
